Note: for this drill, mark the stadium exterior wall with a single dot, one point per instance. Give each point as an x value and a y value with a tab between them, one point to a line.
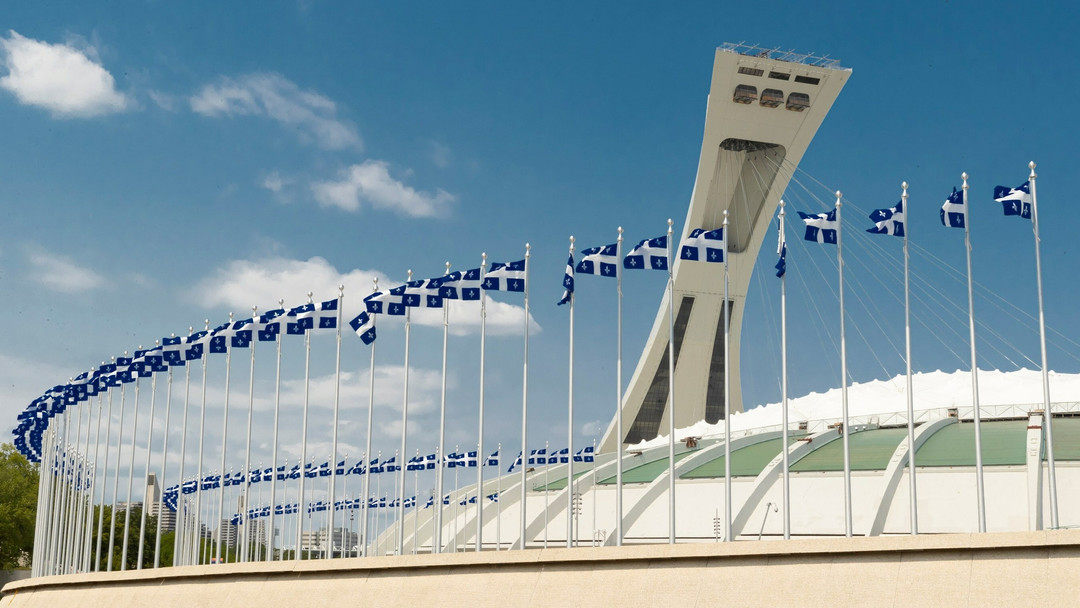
996	569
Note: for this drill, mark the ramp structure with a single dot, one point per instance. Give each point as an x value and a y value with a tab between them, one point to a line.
763	110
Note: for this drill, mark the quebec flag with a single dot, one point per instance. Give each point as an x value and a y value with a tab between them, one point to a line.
382	302
364	326
1016	201
820	227
888	221
423	293
649	254
704	246
460	285
603	261
568	281
953	212
506	276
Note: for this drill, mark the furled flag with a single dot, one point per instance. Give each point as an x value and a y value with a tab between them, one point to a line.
953	212
603	261
820	227
568	281
493	459
781	250
460	285
364	326
584	454
703	246
1016	201
649	254
505	276
419	294
385	302
888	221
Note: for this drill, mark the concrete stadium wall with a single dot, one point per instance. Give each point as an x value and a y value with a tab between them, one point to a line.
1005	569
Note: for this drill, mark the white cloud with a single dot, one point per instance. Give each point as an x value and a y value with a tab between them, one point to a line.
274	96
163	100
371	183
61	273
239	284
440	154
274	182
60	78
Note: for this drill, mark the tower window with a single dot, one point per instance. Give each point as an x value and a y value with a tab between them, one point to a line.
797	102
779	75
751	71
745	93
807	80
772	98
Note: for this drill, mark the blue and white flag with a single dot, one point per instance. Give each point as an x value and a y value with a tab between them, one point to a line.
391	465
419	294
888	221
505	276
953	212
1016	201
538	456
429	462
585	454
453	459
703	246
460	285
516	463
568	281
472	459
649	254
493	497
270	325
384	302
416	463
493	459
172	350
563	456
603	261
820	227
364	326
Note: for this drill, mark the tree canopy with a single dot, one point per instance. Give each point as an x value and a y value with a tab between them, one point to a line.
18	506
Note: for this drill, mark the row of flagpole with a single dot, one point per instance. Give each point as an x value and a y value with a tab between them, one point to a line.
956	213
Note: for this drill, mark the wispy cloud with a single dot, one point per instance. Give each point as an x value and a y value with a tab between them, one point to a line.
273	96
61	273
370	183
239	284
69	82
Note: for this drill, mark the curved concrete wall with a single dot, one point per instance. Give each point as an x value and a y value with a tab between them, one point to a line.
1014	569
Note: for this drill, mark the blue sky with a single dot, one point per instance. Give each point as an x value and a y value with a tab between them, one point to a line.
168	163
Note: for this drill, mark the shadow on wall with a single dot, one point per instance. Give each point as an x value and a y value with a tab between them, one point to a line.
7	576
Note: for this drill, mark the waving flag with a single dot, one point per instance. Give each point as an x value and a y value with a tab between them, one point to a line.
584	454
820	227
568	281
888	221
649	254
704	246
603	261
493	459
506	276
953	212
460	285
364	326
382	302
419	294
1015	201
516	463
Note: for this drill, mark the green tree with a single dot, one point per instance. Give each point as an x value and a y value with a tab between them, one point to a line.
18	507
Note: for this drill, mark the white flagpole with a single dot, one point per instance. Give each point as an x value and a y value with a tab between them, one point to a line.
480	432
146	470
671	383
1047	407
404	433
547	468
913	497
783	382
618	400
303	441
570	430
181	504
131	473
436	543
416	493
244	528
198	536
524	404
224	438
105	473
980	489
274	447
116	474
334	439
365	463
843	373
727	394
101	502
